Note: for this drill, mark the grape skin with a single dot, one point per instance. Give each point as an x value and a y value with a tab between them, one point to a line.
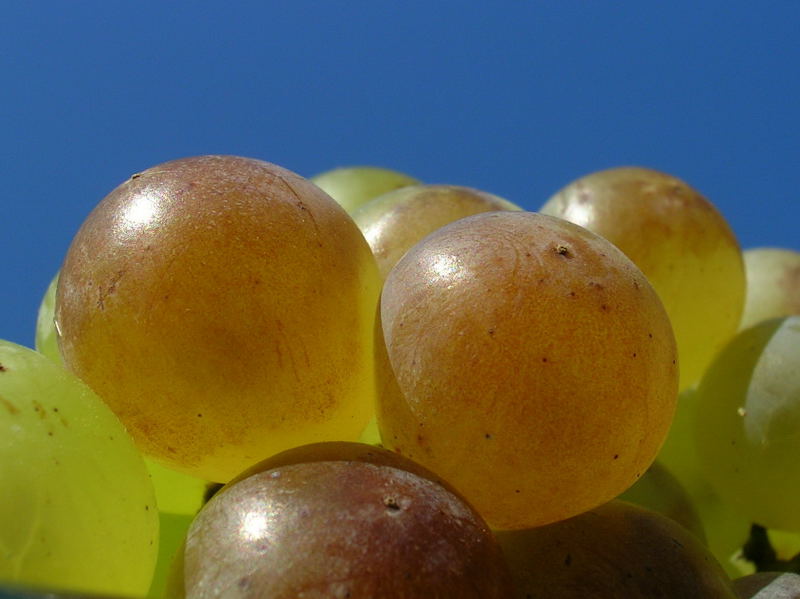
77	509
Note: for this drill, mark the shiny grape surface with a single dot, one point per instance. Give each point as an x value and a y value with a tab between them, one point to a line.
362	529
679	240
223	307
748	423
528	362
77	509
393	222
353	186
773	284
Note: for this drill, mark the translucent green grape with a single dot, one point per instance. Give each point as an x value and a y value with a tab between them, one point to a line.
773	284
77	508
352	186
747	425
46	338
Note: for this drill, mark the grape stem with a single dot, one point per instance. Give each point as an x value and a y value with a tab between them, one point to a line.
759	551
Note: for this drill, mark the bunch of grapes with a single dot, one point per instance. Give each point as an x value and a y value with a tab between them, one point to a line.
251	384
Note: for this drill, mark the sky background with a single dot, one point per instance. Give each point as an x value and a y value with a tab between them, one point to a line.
516	98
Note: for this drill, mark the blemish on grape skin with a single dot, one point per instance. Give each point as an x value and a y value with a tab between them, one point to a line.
12	409
3	368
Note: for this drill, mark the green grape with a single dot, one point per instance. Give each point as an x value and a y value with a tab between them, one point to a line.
679	240
773	284
176	492
371	434
77	509
528	362
725	528
747	426
395	221
224	308
174	528
660	491
46	338
352	186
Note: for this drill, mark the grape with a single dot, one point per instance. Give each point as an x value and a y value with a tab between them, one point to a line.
395	221
528	362
768	585
368	530
46	338
617	550
174	528
681	242
747	424
352	186
725	528
77	509
223	307
660	491
773	284
176	492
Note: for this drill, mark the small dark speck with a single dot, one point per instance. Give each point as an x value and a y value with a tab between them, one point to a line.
544	359
199	415
147	508
136	175
634	354
487	436
650	335
517	491
604	307
562	250
391	503
491	332
616	456
111	437
3	368
568	560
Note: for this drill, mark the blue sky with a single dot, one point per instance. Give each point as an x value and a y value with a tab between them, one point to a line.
516	98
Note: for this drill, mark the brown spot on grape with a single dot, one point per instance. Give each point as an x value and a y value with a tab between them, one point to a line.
568	560
491	332
487	436
391	504
3	368
604	307
37	407
12	409
562	250
616	456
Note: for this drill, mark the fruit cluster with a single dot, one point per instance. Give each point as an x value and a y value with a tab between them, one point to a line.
252	384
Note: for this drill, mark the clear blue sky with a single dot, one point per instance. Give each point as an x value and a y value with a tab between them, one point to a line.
517	98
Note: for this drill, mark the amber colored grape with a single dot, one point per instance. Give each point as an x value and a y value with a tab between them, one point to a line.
223	307
528	362
679	240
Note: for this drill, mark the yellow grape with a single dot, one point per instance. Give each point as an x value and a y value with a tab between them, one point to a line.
223	307
528	362
352	186
679	240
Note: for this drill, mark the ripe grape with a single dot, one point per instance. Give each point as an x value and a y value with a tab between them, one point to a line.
747	423
528	362
77	509
223	307
679	240
362	529
395	221
176	492
773	284
352	186
615	551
